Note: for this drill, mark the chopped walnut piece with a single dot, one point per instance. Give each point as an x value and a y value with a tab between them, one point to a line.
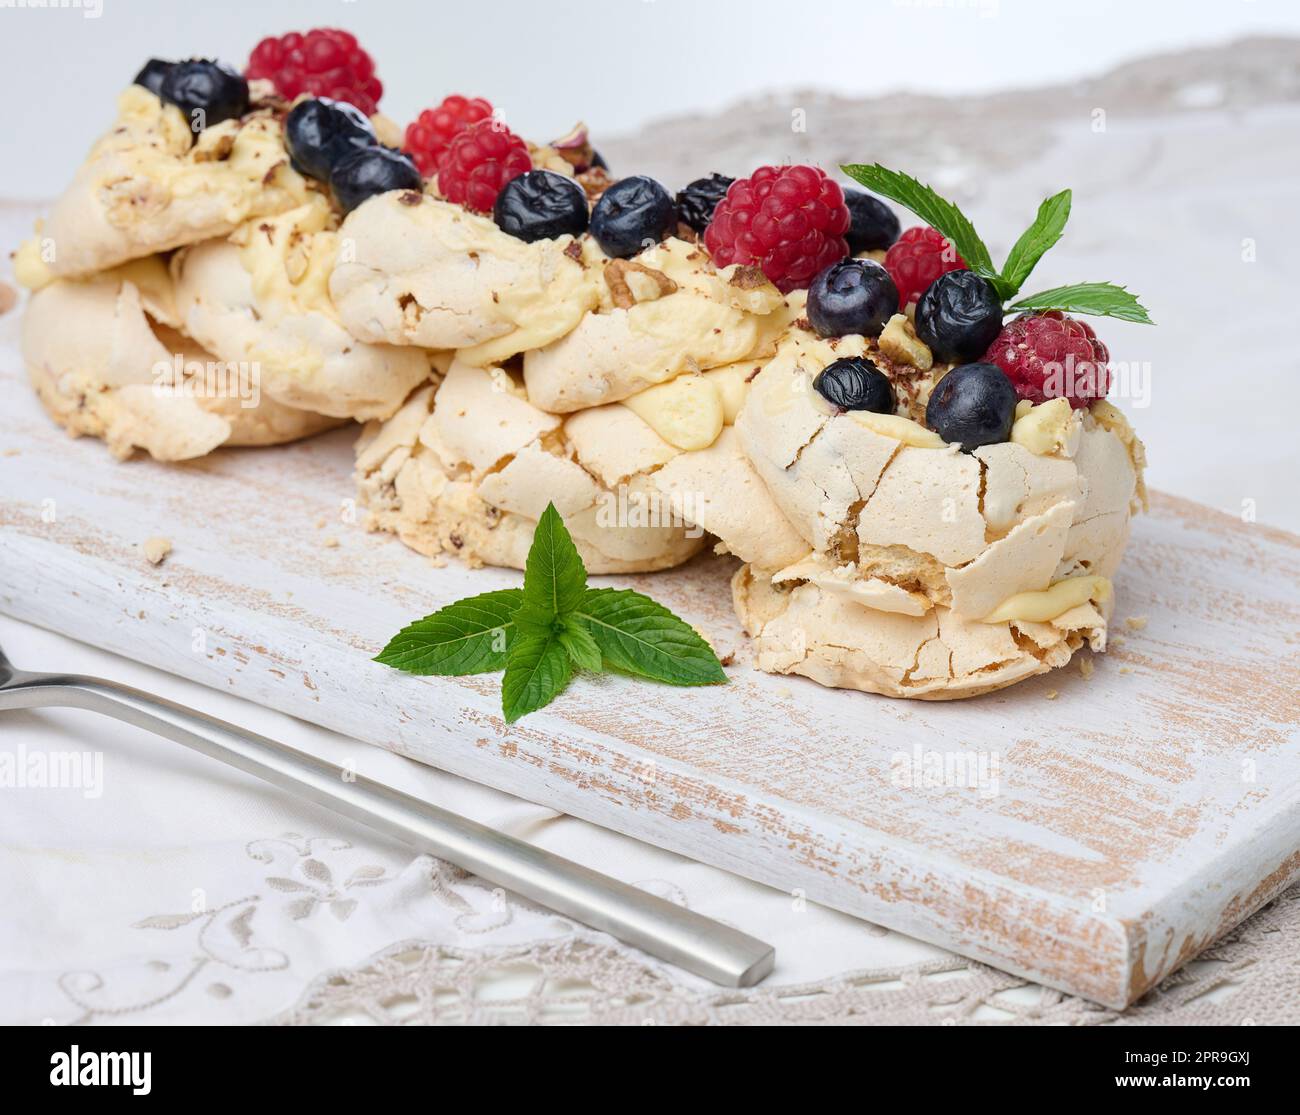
748	277
900	343
616	272
595	181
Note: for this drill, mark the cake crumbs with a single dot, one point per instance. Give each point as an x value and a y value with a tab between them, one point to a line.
1135	623
1051	694
1087	667
11	452
320	523
156	549
330	542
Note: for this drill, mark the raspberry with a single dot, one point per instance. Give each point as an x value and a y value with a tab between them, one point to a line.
435	128
478	162
1050	355
324	62
917	258
790	221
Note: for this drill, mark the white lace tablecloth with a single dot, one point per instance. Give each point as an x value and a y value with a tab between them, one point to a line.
171	888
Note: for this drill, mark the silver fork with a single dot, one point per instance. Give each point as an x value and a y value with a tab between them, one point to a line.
691	941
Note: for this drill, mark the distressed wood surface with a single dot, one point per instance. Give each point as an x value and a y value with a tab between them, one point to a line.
1137	816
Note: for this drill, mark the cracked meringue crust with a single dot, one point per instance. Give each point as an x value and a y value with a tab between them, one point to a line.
262	296
933	573
93	349
467	466
150	185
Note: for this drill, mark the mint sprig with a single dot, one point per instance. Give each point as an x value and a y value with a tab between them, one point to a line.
471	636
1035	241
932	209
1100	299
555	624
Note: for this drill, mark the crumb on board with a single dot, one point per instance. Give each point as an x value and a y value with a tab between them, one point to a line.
156	549
11	452
330	542
1126	669
1087	667
1051	694
1135	623
320	523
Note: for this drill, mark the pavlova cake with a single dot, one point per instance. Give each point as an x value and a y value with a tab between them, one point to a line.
927	496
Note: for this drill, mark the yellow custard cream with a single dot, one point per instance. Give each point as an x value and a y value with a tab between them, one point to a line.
1040	607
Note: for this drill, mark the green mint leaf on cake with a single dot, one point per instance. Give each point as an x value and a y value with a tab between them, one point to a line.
1036	240
554	576
1100	299
934	210
471	636
539	634
537	670
639	636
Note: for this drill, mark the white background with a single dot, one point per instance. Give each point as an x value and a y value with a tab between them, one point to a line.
614	63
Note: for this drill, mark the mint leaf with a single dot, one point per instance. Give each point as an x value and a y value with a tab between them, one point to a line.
933	210
1102	299
554	576
471	636
578	642
641	637
1035	241
537	669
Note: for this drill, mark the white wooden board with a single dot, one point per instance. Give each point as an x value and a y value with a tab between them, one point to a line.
1137	816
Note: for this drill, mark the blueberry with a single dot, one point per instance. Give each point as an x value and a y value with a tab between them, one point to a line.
631	215
541	205
369	171
151	77
855	383
852	296
873	224
207	92
974	405
696	203
320	132
959	316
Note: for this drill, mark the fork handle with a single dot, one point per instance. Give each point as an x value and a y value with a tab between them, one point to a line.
698	944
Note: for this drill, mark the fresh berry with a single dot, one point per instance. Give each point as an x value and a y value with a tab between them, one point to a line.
852	296
958	316
369	171
427	138
873	225
855	383
319	133
1050	355
541	205
151	77
973	405
631	215
696	203
478	162
207	92
919	257
789	220
324	62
